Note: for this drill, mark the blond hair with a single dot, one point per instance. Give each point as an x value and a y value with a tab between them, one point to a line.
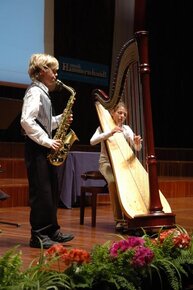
41	61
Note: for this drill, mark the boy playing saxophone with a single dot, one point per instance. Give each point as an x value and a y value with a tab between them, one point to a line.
38	123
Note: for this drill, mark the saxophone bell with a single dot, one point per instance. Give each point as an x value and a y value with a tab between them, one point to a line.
58	157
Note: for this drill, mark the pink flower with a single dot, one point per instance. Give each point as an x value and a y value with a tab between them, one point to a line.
142	257
124	245
135	241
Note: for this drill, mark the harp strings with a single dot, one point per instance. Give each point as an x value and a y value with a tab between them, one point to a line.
132	97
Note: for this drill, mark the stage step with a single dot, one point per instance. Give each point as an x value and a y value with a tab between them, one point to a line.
13	176
171	187
174	167
11	150
13	168
17	189
176	186
181	154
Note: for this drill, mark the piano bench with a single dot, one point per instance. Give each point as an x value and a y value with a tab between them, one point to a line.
94	191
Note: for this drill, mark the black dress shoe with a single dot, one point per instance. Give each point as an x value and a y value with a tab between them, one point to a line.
38	241
60	237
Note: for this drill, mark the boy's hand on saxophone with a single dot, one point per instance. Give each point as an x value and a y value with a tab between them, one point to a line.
56	144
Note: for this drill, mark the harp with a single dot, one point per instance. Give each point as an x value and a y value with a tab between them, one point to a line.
142	203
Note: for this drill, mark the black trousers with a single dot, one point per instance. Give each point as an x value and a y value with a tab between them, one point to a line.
43	188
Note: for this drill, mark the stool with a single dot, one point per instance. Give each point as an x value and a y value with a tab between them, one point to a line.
94	190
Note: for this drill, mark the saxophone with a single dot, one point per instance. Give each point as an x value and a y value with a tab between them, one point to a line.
67	137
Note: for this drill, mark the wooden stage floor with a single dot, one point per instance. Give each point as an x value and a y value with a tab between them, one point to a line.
85	236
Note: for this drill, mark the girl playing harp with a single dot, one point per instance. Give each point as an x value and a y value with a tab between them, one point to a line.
119	115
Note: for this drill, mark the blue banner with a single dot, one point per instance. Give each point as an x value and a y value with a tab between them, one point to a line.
83	71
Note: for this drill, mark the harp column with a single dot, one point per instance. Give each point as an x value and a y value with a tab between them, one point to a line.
156	217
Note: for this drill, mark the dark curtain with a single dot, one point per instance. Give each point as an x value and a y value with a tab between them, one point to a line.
84	30
170	26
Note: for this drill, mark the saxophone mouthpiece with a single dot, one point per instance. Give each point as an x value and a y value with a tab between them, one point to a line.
59	85
58	82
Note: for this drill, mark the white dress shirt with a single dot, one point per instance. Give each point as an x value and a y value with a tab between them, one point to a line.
36	119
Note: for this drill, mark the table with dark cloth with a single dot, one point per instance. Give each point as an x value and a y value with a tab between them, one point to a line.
69	175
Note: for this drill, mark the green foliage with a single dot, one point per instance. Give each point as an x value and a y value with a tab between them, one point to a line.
162	262
172	263
38	276
101	273
10	264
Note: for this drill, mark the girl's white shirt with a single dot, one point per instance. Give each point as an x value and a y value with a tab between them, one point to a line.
100	137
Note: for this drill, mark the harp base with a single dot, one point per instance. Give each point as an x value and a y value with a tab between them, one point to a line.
150	223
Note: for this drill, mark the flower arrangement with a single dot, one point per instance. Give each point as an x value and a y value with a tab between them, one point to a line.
163	261
131	262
